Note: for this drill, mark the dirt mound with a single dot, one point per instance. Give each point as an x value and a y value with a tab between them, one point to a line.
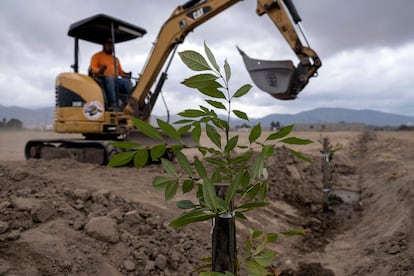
50	228
66	218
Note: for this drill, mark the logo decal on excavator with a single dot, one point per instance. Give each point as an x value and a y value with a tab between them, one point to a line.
93	110
194	15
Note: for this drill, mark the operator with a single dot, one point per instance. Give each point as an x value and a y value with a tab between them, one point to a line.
102	64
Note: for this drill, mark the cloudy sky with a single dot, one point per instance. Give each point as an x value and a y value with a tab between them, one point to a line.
366	47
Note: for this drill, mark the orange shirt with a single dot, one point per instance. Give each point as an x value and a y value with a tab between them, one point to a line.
102	58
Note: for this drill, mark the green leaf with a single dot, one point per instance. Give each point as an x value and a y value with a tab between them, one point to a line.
194	60
168	167
245	180
268	151
184	163
256	269
245	156
263	188
242	91
232	143
221	124
271	237
209	195
125	145
196	133
216	177
190	217
184	129
212	92
256	233
168	129
252	205
227	70
211	57
184	121
258	166
232	188
188	186
185	204
121	159
296	141
300	156
215	161
241	114
147	129
294	233
201	170
213	135
171	190
283	132
161	181
205	110
255	133
141	158
202	81
240	215
191	113
157	151
266	258
216	104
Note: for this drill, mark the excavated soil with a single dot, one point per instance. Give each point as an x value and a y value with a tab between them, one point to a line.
62	217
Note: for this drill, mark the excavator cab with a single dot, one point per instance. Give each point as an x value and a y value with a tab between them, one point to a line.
100	27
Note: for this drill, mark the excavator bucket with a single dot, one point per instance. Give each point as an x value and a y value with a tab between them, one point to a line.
272	76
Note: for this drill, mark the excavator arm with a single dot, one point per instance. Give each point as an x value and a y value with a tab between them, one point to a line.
193	13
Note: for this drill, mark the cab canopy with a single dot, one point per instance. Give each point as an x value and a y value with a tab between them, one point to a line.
98	28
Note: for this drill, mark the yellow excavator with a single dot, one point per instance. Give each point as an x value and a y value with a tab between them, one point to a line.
81	106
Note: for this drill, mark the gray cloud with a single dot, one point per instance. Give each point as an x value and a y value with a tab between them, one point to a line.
366	49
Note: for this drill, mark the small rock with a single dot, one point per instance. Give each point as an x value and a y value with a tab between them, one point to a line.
5	204
43	211
24	204
175	256
133	217
101	197
13	235
117	214
394	249
293	171
149	266
4	226
129	265
161	261
102	228
78	205
154	221
82	194
19	174
140	255
78	224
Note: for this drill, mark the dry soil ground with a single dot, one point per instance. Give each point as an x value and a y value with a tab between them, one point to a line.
67	218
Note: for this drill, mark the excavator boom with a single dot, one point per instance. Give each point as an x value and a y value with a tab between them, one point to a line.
280	79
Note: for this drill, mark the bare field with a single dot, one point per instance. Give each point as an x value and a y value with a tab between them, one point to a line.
66	218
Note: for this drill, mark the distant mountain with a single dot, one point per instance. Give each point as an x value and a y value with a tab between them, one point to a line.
31	118
337	115
39	118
